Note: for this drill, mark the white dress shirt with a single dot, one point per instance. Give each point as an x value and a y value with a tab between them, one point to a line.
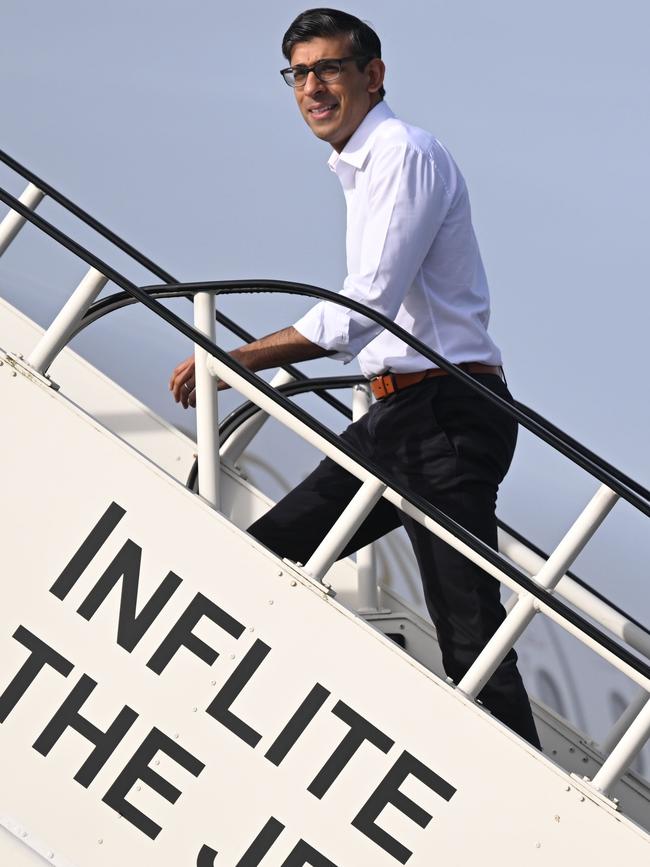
411	254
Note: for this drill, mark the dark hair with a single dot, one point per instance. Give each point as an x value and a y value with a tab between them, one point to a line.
314	23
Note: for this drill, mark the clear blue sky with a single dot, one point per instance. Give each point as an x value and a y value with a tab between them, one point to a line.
169	121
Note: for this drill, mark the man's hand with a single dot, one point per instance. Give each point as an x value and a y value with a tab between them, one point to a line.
182	383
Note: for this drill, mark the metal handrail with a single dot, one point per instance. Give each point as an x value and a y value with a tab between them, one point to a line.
240	414
141	259
626	487
533	417
519	537
492	557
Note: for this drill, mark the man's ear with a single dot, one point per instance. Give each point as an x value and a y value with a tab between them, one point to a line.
376	69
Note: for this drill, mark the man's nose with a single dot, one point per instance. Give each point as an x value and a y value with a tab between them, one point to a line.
313	84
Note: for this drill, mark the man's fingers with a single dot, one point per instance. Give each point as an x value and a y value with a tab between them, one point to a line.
181	383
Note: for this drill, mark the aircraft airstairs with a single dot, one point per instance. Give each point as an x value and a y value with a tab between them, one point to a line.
171	693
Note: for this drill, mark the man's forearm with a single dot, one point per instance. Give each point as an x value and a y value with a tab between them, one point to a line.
287	346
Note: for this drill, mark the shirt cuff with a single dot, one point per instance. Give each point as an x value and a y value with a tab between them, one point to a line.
327	325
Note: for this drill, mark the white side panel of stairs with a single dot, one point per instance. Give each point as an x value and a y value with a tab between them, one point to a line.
438	777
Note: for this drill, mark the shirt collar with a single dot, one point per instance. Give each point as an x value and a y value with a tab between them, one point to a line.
357	149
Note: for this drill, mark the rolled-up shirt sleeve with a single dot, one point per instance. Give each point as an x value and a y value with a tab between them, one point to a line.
405	206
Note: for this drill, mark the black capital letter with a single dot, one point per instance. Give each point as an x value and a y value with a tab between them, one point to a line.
41	654
387	792
126	566
219	707
278	750
138	768
360	730
68	716
88	550
303	854
181	634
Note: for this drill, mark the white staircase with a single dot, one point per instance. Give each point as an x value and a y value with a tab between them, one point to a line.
171	693
236	708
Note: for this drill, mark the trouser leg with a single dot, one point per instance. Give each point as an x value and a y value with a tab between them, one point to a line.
299	522
453	449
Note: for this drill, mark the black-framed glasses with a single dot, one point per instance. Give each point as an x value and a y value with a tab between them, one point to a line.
326	70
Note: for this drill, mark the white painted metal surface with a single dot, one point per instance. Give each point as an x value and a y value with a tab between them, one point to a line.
207	412
66	321
229	712
13	222
368	591
570	590
351	518
236	444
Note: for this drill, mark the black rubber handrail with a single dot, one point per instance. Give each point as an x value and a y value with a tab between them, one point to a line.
168	279
479	547
143	260
248	409
623	485
584	584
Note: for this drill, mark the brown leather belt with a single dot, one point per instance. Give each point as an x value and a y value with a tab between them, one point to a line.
388	383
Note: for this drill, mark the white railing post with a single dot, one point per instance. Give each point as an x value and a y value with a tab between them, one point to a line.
344	528
622	724
548	576
13	222
583	598
236	444
65	322
624	753
207	415
367	590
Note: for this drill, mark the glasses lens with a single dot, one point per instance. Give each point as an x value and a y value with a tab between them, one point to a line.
288	76
328	70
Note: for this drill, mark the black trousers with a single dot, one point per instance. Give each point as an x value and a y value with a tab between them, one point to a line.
452	447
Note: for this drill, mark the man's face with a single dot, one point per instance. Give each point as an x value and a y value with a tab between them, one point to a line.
333	111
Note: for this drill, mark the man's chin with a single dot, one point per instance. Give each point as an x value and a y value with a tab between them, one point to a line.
323	131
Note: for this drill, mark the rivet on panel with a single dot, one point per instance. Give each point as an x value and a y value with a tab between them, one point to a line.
293	583
538	845
232	656
270	602
280	574
100	841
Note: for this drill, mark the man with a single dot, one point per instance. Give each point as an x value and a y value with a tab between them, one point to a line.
412	255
